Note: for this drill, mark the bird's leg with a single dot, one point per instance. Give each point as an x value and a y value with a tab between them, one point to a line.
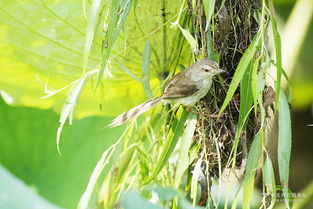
190	109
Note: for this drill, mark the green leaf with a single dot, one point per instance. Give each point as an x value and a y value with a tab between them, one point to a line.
102	164
269	180
167	193
118	12
146	70
133	200
194	181
93	21
68	107
252	165
143	162
254	83
191	40
260	89
193	151
241	69
186	141
168	147
15	194
124	161
27	150
254	156
245	96
47	39
284	142
128	72
284	139
245	104
277	41
208	9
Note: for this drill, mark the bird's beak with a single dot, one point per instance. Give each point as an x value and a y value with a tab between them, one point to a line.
218	71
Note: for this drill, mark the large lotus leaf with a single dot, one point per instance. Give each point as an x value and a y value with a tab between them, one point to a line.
46	38
28	150
16	195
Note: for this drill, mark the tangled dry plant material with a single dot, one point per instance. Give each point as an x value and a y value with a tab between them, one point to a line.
234	27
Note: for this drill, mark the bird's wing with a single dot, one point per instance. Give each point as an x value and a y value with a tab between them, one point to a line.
180	86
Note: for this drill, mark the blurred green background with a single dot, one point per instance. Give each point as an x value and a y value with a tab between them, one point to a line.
32	174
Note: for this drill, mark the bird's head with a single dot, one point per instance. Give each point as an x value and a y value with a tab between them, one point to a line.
207	68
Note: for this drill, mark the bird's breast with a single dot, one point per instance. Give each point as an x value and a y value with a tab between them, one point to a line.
203	88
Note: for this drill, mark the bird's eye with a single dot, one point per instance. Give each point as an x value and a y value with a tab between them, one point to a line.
206	70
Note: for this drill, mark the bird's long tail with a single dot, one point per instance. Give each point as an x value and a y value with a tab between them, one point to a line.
134	112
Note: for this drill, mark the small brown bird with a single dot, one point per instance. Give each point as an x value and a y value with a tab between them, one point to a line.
186	88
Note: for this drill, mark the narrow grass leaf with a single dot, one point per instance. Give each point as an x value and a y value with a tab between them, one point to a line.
84	201
279	68
235	201
254	83
245	96
128	72
194	181
209	44
124	161
71	100
208	10
109	38
169	146
49	91
286	76
269	180
68	107
222	5
193	152
247	192
260	89
143	158
125	6
118	12
101	164
284	142
191	40
186	141
242	67
91	29
252	165
249	183
146	70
